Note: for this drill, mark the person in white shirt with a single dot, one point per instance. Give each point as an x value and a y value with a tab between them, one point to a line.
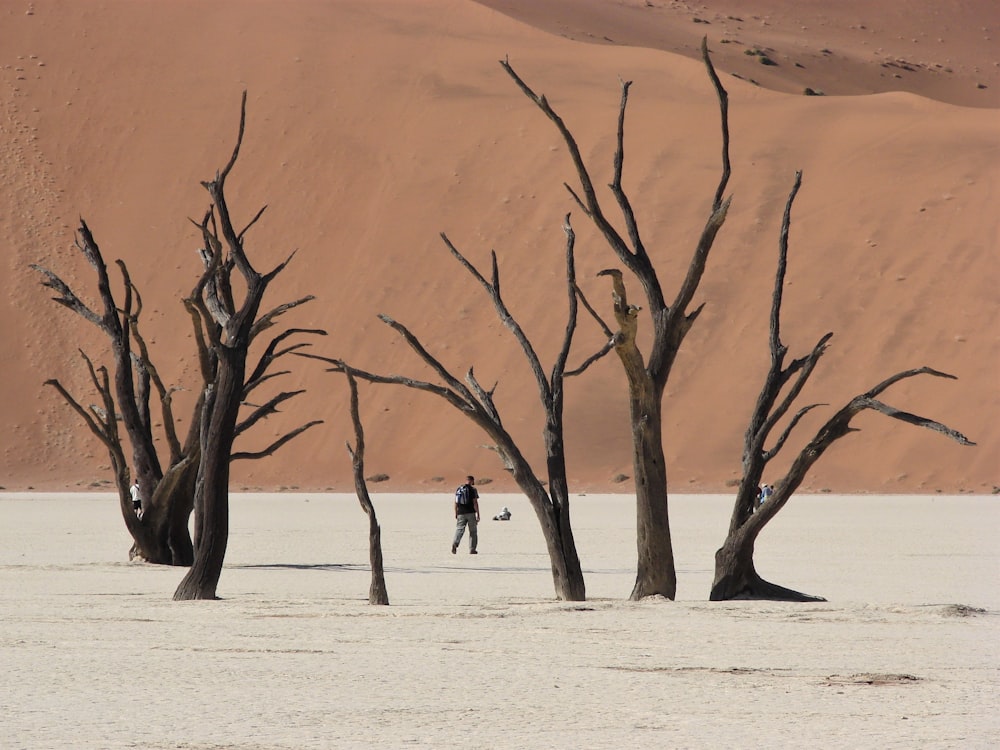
136	498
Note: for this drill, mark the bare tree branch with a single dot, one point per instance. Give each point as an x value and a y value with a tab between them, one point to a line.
493	290
589	203
465	403
616	183
805	367
593	313
252	221
267	320
212	306
783	438
200	325
163	392
66	296
272	354
609	343
483	396
455	386
264	410
93	425
559	367
273	447
220	177
917	420
723	97
777	349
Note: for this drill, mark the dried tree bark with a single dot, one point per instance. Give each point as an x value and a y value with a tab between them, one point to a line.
475	402
647	379
228	328
161	535
377	592
735	575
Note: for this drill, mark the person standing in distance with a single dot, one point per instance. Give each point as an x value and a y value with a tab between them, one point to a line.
136	498
466	514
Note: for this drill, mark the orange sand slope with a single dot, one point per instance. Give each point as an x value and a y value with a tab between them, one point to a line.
373	126
943	51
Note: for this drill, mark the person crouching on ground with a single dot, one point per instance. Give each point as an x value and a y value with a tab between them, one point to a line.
466	514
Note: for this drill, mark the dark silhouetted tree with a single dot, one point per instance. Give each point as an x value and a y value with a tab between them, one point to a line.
125	394
161	535
377	592
475	402
647	378
228	327
735	576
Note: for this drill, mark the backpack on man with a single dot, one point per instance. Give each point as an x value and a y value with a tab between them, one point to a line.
463	497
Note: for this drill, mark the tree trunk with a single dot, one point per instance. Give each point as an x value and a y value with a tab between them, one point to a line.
475	402
557	508
553	515
179	483
212	487
736	578
567	574
655	571
377	591
162	536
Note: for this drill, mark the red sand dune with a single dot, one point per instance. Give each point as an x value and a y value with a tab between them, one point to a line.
373	126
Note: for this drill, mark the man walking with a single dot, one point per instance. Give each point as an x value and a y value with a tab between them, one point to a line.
466	514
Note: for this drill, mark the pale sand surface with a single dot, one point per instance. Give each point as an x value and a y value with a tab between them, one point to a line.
474	651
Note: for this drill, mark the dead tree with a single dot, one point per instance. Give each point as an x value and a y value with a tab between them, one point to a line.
552	506
735	576
228	328
161	536
377	592
647	379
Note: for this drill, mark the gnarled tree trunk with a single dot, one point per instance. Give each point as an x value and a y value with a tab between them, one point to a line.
161	535
476	403
377	591
227	331
735	575
655	572
168	497
212	487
